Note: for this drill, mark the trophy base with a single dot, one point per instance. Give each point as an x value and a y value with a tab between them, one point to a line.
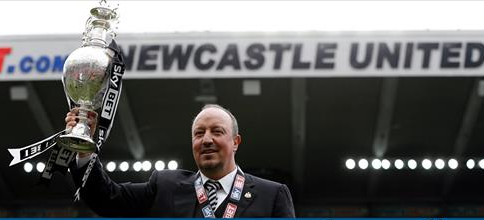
77	143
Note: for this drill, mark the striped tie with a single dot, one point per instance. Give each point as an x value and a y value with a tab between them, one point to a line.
212	188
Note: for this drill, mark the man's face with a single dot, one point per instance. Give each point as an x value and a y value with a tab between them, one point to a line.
213	143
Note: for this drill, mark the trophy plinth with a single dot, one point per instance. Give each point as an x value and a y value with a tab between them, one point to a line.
85	76
77	143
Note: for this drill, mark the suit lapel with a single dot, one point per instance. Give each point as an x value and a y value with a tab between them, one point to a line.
185	198
248	195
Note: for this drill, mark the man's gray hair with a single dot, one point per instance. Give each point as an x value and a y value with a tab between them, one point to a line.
235	126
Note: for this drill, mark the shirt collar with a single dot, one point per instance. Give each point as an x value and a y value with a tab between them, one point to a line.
226	181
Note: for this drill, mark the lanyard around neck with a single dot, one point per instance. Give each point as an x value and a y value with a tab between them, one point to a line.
234	196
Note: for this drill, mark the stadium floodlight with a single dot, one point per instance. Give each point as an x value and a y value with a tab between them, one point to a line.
481	163
470	164
453	163
111	166
350	164
172	165
124	166
28	167
137	166
412	164
385	164
146	165
363	164
159	165
40	167
439	164
399	164
376	164
426	164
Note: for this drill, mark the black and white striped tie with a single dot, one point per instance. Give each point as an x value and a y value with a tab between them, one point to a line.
212	188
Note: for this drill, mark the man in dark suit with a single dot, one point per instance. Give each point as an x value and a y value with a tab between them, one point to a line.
219	189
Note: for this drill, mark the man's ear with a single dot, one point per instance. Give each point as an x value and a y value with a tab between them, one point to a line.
237	141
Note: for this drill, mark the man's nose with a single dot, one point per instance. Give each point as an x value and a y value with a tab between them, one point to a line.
207	138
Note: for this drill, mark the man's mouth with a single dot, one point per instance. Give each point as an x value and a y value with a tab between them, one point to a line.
208	151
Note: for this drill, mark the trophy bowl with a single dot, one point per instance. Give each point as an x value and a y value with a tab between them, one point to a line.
85	81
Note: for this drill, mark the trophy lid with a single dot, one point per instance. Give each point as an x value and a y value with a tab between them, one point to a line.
104	13
100	25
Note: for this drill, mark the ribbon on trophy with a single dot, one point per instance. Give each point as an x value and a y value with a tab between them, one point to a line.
110	103
33	150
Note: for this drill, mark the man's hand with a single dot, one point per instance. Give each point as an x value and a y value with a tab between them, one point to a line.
72	118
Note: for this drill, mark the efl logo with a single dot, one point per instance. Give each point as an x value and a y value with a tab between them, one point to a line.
208	212
236	194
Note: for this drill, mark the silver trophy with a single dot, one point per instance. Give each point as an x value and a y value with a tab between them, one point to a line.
86	73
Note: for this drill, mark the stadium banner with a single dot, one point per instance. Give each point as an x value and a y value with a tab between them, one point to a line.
260	55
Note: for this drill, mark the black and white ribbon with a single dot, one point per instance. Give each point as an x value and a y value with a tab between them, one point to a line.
108	111
59	160
21	154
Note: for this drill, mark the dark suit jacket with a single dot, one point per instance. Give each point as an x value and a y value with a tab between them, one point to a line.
171	193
